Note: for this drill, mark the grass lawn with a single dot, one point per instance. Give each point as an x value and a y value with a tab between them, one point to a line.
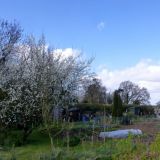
39	145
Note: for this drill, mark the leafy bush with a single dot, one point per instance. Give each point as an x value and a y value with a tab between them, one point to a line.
143	109
2	137
16	138
9	138
127	118
117	109
73	141
94	107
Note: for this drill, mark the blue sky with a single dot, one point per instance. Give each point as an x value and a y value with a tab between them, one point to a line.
120	34
131	27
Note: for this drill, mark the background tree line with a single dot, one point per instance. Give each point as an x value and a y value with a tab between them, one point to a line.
130	93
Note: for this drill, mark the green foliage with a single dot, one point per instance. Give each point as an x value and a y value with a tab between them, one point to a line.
11	137
48	157
84	107
130	148
15	138
73	141
95	93
94	107
117	105
38	147
13	154
120	107
144	109
155	146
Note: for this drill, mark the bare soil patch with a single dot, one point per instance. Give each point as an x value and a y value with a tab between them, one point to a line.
151	127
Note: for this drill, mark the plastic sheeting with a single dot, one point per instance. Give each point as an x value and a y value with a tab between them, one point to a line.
120	133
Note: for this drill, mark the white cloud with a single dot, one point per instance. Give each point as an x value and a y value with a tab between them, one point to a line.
101	26
146	73
67	52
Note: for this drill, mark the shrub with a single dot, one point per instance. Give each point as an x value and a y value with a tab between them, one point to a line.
9	138
117	109
140	109
94	107
73	141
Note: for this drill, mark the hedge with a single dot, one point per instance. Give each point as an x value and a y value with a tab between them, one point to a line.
85	107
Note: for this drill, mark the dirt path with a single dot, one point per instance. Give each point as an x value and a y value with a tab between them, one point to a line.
149	127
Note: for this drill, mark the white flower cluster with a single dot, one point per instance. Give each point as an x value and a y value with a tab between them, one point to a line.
37	81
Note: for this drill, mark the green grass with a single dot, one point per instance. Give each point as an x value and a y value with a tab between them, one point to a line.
39	145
